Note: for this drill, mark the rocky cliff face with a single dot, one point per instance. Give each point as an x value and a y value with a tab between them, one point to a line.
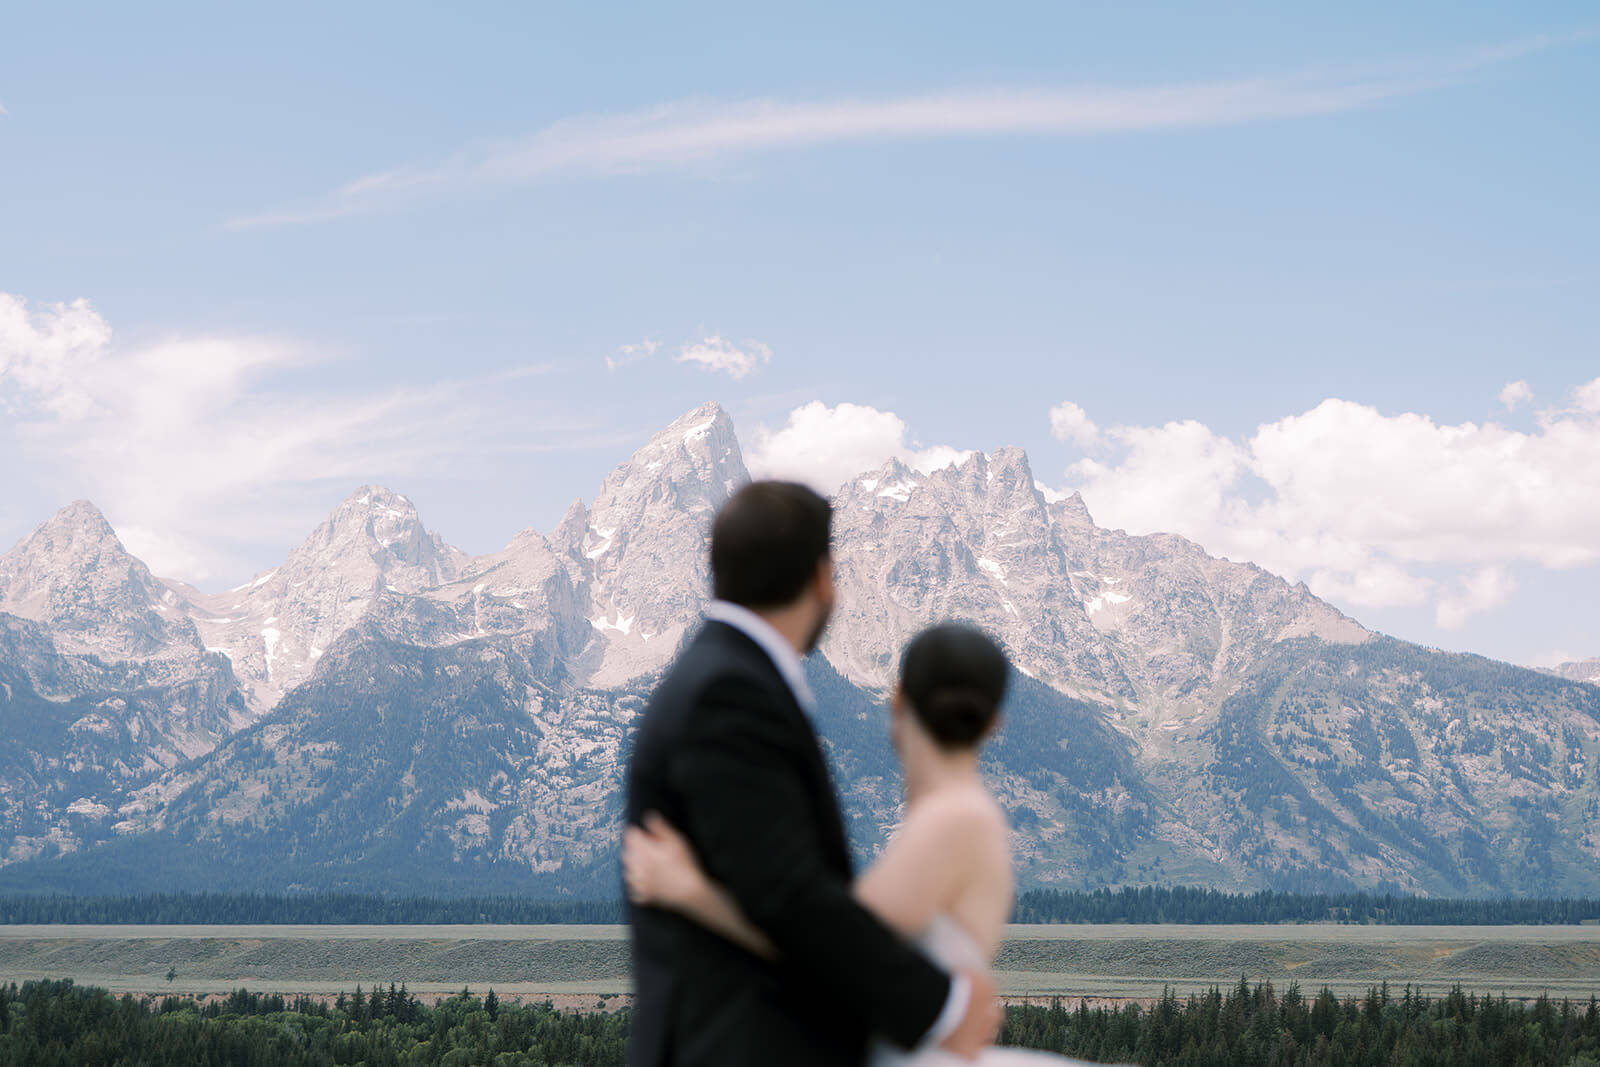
1583	670
274	628
1149	622
73	577
104	682
641	553
453	721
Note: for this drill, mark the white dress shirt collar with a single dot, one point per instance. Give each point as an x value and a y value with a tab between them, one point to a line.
774	644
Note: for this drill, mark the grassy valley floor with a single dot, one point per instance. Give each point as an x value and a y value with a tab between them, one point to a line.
580	964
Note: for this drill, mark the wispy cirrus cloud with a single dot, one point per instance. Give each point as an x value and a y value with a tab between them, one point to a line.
691	132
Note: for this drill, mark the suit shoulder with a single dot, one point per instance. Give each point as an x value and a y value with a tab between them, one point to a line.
713	678
718	660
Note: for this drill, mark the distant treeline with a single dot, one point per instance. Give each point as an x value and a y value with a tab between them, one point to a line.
1167	905
1182	904
1257	1026
298	908
59	1024
46	1024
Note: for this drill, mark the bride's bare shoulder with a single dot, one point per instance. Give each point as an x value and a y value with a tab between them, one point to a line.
960	812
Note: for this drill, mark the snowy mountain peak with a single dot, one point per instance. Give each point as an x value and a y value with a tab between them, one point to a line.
375	499
701	443
892	481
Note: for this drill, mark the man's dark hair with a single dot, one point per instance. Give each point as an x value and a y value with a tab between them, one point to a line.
766	543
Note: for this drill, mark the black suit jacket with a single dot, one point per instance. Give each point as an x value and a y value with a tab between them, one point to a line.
726	754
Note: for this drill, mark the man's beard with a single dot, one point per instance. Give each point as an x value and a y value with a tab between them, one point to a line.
816	631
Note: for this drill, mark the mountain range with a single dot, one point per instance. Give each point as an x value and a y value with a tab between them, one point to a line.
384	711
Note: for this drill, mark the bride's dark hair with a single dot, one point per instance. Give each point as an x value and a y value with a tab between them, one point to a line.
954	676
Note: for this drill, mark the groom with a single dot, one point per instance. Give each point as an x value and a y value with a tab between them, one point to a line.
725	750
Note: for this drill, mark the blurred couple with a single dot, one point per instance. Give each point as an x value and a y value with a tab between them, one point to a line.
753	944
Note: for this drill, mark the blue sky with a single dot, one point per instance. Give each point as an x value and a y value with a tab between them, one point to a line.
463	254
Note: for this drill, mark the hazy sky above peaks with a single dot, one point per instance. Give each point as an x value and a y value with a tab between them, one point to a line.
1318	288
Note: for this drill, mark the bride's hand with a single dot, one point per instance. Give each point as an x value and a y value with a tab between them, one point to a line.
659	866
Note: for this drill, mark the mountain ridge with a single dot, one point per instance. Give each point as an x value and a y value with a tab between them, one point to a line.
1177	716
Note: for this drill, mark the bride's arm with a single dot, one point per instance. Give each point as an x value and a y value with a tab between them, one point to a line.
919	872
660	869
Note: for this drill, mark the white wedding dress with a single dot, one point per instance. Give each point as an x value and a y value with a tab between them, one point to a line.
949	945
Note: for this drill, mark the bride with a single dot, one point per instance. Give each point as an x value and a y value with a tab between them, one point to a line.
944	879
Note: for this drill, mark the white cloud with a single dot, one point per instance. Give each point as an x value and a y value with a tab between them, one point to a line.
1050	495
674	135
714	353
1181	468
43	355
1370	582
1486	589
1515	393
198	446
934	458
1070	423
1369	508
632	353
1587	397
826	447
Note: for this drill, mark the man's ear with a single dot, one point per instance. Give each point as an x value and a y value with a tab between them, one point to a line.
824	580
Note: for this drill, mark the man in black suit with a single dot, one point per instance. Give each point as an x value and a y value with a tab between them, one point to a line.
725	751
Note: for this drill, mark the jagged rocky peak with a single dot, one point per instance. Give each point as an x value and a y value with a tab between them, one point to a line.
274	628
696	459
893	480
970	540
679	479
569	533
73	575
1071	514
524	592
384	526
528	573
1004	471
644	549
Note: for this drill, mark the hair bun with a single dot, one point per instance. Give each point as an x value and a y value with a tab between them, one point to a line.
954	677
958	717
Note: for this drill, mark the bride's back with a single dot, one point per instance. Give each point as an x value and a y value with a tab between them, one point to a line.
976	858
951	855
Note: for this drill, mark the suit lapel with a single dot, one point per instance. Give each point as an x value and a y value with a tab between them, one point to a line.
819	777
